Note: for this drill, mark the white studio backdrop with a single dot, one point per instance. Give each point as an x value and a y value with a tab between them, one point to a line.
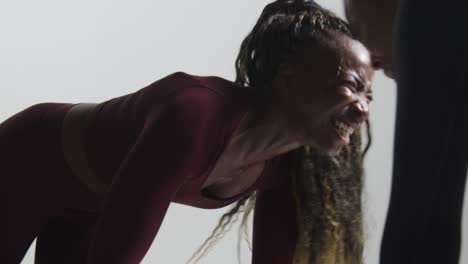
91	51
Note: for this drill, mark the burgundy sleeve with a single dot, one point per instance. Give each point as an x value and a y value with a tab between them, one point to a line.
274	228
175	144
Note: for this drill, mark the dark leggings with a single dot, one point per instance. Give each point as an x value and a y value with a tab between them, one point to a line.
430	152
39	196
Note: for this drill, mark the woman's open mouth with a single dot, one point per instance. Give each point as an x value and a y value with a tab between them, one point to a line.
343	130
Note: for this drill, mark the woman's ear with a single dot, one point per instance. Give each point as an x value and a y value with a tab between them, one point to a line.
282	81
285	69
284	74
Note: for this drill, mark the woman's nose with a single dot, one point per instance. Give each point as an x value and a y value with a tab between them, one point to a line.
360	110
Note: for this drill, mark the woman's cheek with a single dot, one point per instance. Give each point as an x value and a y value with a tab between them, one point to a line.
346	92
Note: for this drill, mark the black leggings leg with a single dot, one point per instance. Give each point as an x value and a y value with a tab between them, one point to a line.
430	152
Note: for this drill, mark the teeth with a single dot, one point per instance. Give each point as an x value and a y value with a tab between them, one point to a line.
343	128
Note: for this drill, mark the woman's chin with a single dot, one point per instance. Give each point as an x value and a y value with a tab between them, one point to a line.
333	153
329	152
329	149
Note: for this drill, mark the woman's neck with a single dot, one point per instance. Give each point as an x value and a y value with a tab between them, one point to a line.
260	137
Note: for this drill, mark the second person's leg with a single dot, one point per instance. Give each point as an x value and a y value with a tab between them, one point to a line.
424	218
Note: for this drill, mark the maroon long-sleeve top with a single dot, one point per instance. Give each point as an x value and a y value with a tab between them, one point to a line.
157	146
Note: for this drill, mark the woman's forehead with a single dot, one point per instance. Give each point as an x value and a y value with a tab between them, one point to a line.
352	53
337	52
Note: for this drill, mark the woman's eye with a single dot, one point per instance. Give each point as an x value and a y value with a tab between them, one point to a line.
349	90
350	85
370	98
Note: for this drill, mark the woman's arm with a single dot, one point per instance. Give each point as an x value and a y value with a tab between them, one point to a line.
274	233
171	148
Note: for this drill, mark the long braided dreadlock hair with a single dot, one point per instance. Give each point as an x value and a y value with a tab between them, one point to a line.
327	190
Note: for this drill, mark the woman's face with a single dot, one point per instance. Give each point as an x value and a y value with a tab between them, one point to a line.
326	92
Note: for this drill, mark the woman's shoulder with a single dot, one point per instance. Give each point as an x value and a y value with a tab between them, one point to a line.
215	83
182	79
186	89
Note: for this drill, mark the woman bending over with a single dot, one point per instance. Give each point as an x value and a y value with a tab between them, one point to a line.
94	181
